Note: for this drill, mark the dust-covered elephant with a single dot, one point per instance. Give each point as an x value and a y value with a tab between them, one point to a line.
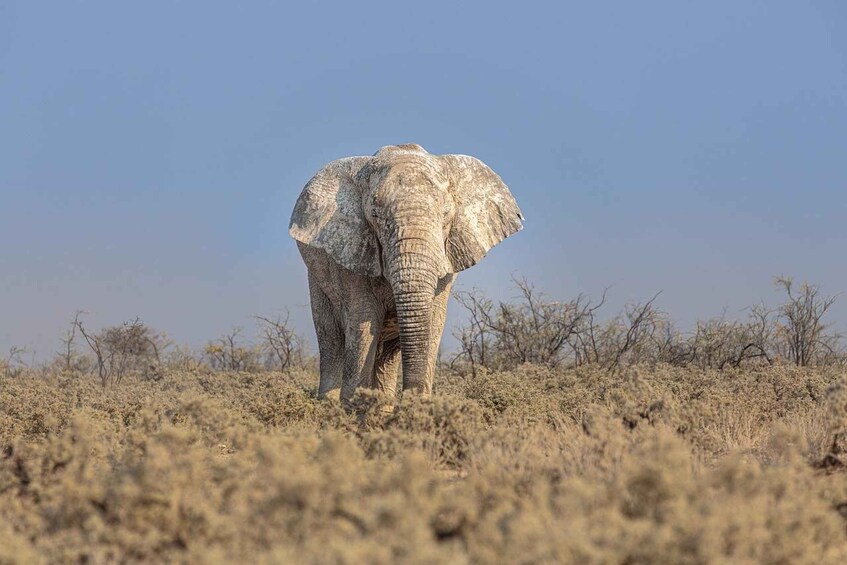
382	238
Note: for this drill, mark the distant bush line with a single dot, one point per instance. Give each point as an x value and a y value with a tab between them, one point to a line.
495	336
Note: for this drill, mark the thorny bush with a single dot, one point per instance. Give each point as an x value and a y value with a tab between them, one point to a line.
532	328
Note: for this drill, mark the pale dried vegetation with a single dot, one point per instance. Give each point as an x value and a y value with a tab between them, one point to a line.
626	457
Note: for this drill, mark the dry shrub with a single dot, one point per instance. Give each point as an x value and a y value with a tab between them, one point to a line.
444	427
230	353
532	328
835	455
13	365
535	465
132	347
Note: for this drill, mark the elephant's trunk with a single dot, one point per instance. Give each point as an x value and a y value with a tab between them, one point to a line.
413	273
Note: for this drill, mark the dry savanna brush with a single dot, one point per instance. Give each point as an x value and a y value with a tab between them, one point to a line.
526	466
614	448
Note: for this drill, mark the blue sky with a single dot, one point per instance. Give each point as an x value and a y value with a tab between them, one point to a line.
150	153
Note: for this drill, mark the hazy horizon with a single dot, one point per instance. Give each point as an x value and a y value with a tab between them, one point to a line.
151	154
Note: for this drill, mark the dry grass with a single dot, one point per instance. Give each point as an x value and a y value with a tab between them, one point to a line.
530	466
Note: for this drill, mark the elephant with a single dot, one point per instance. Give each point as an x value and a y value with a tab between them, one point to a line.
382	238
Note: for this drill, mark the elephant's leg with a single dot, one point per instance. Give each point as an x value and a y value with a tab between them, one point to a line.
439	316
361	339
388	356
330	342
387	367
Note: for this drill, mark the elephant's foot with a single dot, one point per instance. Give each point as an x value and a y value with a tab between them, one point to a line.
333	394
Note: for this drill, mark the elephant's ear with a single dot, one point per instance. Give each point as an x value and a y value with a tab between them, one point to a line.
486	212
328	215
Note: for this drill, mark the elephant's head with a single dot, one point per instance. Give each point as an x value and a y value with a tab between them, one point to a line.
411	217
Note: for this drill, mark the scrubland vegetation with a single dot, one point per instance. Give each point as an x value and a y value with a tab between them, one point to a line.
552	437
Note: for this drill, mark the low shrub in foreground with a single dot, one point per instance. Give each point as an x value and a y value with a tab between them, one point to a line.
527	466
